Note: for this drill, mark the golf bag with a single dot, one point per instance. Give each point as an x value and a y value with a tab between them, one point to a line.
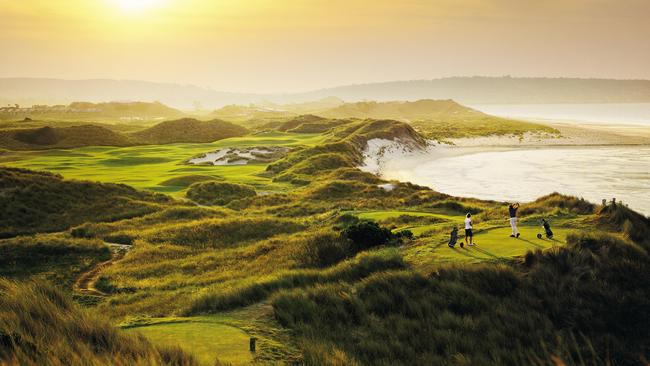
453	238
547	230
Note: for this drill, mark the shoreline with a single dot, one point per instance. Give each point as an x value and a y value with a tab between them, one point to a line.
571	134
609	151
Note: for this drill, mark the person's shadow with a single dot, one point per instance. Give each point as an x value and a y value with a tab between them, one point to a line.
532	243
490	254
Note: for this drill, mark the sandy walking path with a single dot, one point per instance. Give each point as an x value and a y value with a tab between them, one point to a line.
85	284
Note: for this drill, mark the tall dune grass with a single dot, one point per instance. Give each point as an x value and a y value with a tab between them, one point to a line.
39	325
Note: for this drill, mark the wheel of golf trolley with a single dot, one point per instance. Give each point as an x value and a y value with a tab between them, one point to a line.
539	236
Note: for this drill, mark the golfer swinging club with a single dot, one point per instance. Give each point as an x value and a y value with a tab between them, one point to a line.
512	209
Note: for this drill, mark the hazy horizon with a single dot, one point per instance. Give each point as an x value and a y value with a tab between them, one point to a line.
286	46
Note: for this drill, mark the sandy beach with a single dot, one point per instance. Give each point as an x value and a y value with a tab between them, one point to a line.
590	161
571	134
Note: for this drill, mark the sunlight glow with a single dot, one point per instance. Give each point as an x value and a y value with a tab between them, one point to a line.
136	5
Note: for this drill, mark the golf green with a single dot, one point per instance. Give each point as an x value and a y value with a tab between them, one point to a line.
151	166
205	339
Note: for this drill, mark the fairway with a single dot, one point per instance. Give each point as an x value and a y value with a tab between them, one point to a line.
383	215
205	338
150	166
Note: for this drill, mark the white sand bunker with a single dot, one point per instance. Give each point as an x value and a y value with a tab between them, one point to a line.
241	156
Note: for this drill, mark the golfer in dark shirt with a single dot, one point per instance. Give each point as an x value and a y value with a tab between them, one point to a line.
512	210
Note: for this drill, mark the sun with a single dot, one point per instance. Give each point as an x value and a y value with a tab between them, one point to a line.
136	5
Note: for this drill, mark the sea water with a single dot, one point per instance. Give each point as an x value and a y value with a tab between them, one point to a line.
594	173
601	113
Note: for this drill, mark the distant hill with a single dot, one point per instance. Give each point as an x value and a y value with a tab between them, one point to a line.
407	111
465	90
236	112
61	138
497	90
29	91
438	119
435	119
113	111
189	130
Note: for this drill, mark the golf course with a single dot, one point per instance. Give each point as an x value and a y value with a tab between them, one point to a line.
279	237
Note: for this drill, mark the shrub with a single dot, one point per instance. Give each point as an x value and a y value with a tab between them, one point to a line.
218	193
124	239
366	235
405	234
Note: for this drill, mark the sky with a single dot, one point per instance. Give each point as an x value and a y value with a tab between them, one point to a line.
274	46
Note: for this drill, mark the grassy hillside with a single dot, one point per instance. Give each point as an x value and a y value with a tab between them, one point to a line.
405	111
66	135
42	202
308	124
435	119
251	112
39	325
188	130
326	266
54	257
264	112
122	112
438	119
567	304
61	138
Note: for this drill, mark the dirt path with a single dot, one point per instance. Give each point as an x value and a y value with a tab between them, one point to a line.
85	284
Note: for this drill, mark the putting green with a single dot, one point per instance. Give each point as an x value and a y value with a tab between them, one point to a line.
150	166
204	338
494	244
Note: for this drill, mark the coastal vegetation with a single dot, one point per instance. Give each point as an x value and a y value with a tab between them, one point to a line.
321	263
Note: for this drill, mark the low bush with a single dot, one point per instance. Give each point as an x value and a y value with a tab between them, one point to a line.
367	234
120	238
